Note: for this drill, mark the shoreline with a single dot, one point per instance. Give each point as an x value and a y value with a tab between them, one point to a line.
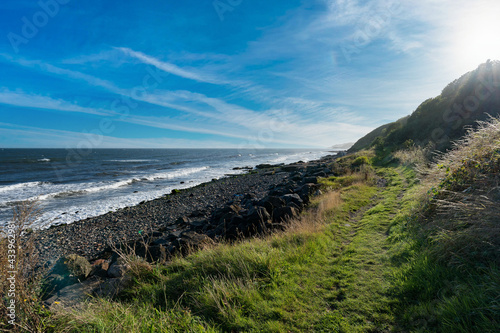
172	214
117	179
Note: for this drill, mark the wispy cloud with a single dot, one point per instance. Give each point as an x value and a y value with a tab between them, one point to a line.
51	69
22	99
48	138
171	68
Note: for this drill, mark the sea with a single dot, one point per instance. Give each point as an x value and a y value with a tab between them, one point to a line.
71	185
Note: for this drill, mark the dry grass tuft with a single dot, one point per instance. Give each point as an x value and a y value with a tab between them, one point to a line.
20	282
313	219
413	157
466	197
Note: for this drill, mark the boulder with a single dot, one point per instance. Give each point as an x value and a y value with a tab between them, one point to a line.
161	241
110	288
157	253
197	225
271	202
118	268
320	174
100	268
68	270
293	200
292	167
283	214
257	216
73	295
312	180
192	240
264	166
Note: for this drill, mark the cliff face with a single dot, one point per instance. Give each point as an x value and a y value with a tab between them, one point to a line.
441	120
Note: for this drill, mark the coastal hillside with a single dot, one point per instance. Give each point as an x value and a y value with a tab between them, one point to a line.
377	240
439	121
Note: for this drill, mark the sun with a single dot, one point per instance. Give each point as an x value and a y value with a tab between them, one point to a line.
476	34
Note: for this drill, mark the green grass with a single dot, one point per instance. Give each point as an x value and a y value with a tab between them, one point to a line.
368	262
331	278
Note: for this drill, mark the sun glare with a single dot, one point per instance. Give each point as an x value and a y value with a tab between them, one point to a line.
476	35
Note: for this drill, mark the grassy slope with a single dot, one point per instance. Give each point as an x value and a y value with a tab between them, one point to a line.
433	122
332	277
368	256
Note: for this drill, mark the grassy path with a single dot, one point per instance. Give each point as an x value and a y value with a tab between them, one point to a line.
363	266
331	277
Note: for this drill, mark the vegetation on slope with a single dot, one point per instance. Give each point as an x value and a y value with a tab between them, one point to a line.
450	279
392	245
439	121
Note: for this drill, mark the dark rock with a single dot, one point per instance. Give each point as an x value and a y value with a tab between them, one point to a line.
110	288
279	191
271	202
197	225
238	220
293	200
312	180
264	166
243	168
321	174
192	240
68	270
118	269
292	167
197	213
156	234
174	235
157	253
77	266
257	215
282	214
161	241
100	268
182	220
73	295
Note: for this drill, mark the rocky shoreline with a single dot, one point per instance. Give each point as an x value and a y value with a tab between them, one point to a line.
226	209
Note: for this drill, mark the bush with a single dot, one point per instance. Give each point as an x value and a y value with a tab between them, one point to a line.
359	161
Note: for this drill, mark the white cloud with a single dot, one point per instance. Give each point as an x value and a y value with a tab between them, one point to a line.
171	68
50	138
22	99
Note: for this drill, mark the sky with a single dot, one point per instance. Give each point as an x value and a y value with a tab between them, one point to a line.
228	73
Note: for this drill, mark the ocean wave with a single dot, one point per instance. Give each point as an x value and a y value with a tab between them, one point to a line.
132	161
174	174
19	186
43	160
100	187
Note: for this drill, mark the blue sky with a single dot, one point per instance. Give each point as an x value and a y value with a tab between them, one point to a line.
228	73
